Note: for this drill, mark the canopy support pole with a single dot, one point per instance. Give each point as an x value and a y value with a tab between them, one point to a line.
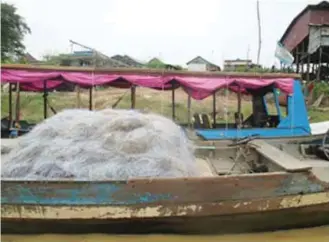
91	98
133	96
319	66
78	96
239	100
239	117
302	59
214	109
10	108
45	99
297	59
189	110
173	102
308	67
18	93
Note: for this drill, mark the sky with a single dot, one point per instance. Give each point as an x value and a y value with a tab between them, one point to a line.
175	31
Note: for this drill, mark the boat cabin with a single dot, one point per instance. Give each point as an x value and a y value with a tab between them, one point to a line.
261	122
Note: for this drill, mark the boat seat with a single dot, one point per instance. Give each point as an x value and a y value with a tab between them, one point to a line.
197	122
201	121
206	121
282	159
238	117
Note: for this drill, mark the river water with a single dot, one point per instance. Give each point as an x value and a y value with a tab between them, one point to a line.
319	234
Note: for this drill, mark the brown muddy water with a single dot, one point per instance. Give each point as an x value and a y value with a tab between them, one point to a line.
319	234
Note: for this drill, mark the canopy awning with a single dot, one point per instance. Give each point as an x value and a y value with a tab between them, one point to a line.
198	86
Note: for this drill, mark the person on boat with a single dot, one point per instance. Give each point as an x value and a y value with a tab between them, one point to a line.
14	130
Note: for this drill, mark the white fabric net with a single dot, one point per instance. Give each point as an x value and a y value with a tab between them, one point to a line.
97	145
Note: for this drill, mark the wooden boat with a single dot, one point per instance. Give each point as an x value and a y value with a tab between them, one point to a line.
249	186
198	85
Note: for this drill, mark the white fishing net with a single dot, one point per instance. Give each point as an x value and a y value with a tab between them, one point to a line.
96	145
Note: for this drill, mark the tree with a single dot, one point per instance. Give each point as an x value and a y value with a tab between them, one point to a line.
13	30
156	64
53	59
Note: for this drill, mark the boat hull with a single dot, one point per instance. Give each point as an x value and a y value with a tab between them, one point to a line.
307	216
237	203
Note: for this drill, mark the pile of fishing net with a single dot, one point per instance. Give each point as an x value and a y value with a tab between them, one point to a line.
96	145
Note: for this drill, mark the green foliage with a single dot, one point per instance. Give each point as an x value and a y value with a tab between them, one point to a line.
13	30
31	107
260	69
318	115
156	64
321	87
50	59
179	67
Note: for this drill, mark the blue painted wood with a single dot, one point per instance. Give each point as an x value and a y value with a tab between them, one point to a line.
86	195
277	104
224	134
296	124
162	191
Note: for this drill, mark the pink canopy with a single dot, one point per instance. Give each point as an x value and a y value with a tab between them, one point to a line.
198	87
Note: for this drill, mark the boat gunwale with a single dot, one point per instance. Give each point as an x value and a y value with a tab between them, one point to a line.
146	180
307	173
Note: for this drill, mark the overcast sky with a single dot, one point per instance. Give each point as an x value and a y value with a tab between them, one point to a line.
173	30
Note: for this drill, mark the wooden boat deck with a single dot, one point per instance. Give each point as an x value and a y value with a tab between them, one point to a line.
213	163
279	157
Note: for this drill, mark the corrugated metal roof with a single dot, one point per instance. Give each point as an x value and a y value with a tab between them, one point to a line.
322	5
83	53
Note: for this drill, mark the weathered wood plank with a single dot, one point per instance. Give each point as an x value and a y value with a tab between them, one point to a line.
302	217
159	191
169	210
279	157
149	71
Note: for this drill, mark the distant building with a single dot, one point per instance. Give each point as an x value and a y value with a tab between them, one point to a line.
307	39
27	58
238	65
30	59
128	61
89	58
201	64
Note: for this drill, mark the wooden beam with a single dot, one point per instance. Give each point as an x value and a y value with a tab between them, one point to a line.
18	100
319	66
91	98
45	101
189	100
302	59
297	59
214	109
10	108
308	68
78	88
156	72
173	102
133	96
